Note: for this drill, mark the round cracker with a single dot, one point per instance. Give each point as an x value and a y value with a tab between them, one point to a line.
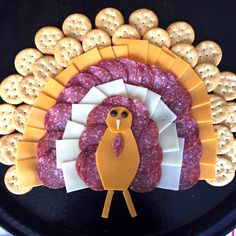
109	19
125	32
187	52
66	49
181	32
30	88
209	52
158	37
19	117
227	85
11	182
230	120
46	67
46	39
95	38
9	89
210	75
143	20
6	114
232	153
25	59
76	26
224	172
8	148
219	109
224	138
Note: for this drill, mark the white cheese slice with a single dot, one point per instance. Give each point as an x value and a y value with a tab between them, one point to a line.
80	112
94	96
168	139
174	158
136	92
151	101
73	130
66	150
115	87
163	116
71	177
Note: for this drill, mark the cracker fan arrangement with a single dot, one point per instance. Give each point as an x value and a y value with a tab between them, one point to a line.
120	107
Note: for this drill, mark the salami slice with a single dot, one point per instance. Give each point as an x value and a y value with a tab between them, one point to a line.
117	144
47	143
116	101
87	169
91	136
132	70
189	176
146	76
84	80
187	128
57	117
100	73
116	69
48	172
73	94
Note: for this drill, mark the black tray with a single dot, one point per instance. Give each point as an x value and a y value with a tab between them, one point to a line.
201	210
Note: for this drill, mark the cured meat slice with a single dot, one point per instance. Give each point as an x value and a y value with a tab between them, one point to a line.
73	94
116	101
115	68
117	144
48	172
57	117
84	80
87	169
100	73
146	74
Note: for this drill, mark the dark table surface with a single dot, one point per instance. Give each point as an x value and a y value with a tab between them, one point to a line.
201	210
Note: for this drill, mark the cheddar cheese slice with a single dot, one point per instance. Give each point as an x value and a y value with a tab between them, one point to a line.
36	118
120	51
153	53
53	88
207	172
107	53
164	60
26	150
33	134
202	113
44	102
209	152
206	131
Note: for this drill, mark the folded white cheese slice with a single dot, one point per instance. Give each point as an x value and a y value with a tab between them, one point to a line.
94	96
136	92
151	101
73	130
80	112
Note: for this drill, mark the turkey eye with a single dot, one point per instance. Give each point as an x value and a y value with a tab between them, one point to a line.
124	114
113	113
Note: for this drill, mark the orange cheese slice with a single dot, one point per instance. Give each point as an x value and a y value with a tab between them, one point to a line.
86	59
164	60
36	118
120	51
209	152
27	173
207	172
206	131
168	51
53	88
33	134
26	150
202	113
44	102
64	76
107	53
153	53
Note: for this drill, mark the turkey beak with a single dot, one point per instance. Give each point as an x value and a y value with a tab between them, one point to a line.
118	121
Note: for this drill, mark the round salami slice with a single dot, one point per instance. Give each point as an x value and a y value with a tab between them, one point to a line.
57	117
116	101
48	172
84	80
146	76
72	94
100	73
132	70
192	155
146	183
91	136
87	169
189	176
148	138
47	143
116	69
187	128
98	115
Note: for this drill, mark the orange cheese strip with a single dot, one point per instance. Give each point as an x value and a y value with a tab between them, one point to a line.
52	88
44	102
164	60
33	134
209	152
189	79
107	204
107	53
202	113
120	51
199	96
206	131
207	172
27	173
64	76
153	53
26	150
168	51
129	203
36	118
87	59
